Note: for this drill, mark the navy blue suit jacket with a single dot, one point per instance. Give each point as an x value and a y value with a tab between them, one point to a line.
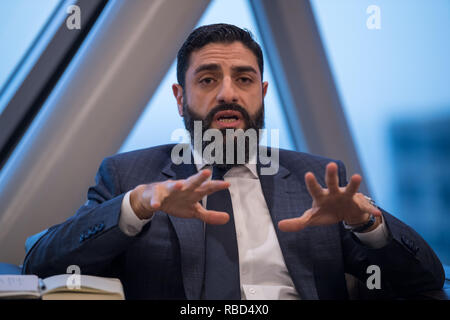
166	259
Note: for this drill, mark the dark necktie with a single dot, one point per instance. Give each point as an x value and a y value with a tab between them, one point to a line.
221	256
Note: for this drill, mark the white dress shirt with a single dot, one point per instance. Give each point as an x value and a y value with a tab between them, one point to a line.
262	269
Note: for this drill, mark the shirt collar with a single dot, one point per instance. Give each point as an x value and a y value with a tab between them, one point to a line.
251	165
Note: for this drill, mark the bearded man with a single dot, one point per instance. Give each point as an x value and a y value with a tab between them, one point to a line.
222	229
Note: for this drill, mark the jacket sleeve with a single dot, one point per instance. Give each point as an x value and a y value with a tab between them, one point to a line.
91	238
407	263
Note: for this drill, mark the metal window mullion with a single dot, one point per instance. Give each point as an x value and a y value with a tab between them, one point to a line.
37	85
294	45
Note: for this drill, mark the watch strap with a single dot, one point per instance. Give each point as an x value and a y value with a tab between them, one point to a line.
360	228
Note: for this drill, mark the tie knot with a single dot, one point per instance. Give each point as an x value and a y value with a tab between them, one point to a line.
218	173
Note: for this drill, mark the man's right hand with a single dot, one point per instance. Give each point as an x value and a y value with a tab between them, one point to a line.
179	198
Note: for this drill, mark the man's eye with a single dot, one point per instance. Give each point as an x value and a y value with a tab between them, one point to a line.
206	81
245	80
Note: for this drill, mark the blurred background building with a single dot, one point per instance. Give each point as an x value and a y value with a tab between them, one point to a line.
420	149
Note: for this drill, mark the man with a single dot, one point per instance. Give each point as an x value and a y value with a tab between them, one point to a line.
169	231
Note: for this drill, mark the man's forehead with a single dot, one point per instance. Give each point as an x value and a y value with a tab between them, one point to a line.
231	54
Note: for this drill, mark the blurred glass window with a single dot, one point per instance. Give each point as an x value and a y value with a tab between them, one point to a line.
391	64
161	118
23	24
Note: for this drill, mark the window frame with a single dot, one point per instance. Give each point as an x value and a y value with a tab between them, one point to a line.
43	76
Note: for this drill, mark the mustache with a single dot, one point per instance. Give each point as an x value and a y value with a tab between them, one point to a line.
206	122
190	116
229	106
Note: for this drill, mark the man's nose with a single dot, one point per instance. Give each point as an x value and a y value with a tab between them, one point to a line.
227	92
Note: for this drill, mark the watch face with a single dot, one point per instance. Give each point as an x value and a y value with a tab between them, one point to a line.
370	200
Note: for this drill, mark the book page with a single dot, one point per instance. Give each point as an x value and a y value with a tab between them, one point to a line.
88	284
19	285
82	296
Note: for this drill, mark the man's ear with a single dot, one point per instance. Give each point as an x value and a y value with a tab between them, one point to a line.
265	85
178	94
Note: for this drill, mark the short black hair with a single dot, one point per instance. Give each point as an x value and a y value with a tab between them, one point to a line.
215	33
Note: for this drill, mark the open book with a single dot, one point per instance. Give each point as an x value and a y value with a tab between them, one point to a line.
60	287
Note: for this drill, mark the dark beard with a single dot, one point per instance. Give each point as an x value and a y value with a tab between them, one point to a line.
256	122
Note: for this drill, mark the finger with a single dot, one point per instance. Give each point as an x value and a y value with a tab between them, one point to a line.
159	193
211	216
174	185
295	224
209	187
375	211
314	188
370	208
197	179
366	206
331	177
353	186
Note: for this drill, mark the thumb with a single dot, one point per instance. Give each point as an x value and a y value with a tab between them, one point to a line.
211	216
295	224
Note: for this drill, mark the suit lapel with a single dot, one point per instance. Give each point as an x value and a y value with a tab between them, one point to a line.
190	233
286	197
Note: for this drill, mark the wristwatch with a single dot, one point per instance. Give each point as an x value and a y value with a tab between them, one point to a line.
362	227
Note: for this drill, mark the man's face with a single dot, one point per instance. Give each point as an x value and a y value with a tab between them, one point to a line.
222	87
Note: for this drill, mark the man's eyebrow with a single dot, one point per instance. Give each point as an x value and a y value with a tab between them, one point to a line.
207	67
216	67
241	69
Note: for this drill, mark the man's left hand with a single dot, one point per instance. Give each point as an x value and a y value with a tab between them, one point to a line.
333	204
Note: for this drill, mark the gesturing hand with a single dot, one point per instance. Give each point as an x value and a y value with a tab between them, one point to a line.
179	198
333	204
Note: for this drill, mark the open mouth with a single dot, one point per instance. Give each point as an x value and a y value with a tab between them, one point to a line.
227	118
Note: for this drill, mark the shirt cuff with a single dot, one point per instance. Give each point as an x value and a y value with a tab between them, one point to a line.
129	222
377	238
